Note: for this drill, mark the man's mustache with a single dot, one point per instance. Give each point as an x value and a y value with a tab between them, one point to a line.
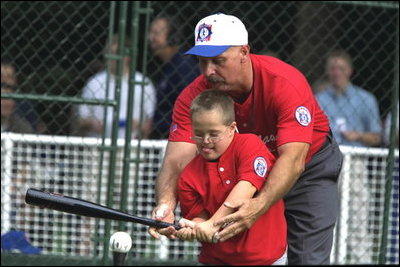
215	79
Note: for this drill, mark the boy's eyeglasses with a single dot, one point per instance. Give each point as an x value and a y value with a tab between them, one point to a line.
210	139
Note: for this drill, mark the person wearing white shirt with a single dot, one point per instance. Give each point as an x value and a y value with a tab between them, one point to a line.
92	116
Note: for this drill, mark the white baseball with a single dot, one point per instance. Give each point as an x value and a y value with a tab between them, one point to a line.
120	242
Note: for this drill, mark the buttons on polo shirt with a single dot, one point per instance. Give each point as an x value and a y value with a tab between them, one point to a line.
222	169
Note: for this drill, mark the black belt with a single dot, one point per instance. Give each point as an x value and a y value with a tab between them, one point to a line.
327	141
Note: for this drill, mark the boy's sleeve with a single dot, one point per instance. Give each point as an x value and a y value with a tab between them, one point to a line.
255	162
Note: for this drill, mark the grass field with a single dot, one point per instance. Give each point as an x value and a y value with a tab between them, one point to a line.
17	259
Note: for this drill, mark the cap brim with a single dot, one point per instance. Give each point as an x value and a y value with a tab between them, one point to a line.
207	50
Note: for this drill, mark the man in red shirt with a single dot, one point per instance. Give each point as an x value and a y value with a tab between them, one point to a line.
274	101
229	166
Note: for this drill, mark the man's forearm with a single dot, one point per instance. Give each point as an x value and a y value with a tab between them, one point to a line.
166	189
242	190
281	179
370	139
283	175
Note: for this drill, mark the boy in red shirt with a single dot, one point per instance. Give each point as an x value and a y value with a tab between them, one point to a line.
229	166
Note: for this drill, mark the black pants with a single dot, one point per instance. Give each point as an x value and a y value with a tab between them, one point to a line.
311	208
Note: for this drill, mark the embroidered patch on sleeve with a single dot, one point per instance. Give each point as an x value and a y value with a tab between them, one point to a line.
260	166
303	116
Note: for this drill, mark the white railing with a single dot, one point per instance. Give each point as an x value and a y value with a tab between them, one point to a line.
71	165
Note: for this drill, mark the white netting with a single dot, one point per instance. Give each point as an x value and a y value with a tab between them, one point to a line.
362	196
70	166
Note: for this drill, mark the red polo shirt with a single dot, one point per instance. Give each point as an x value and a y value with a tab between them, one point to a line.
280	108
205	185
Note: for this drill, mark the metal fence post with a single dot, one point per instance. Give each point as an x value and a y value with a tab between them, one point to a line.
390	165
118	76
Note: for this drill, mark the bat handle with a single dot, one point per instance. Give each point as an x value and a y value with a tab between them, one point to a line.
177	227
160	224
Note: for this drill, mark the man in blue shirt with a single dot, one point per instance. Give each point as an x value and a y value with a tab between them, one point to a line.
354	118
175	74
353	112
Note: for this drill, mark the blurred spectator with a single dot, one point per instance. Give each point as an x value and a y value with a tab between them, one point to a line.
8	73
176	71
320	85
355	121
10	120
23	108
353	112
92	116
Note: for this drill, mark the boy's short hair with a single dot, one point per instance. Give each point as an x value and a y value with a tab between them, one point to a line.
214	99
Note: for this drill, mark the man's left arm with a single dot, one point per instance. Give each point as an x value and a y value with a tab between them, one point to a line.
371	136
370	139
287	169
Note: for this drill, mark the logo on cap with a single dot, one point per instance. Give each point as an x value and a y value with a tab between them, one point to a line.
260	166
303	116
204	33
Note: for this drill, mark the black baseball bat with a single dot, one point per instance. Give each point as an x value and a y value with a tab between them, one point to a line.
86	208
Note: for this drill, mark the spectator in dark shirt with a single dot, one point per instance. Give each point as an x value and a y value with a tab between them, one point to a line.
22	109
10	120
176	71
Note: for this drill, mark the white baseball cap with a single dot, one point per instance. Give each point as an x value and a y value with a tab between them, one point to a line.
216	33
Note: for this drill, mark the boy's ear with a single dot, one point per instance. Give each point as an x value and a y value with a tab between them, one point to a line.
233	126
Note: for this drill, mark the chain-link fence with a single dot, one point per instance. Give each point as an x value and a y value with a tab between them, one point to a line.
64	62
